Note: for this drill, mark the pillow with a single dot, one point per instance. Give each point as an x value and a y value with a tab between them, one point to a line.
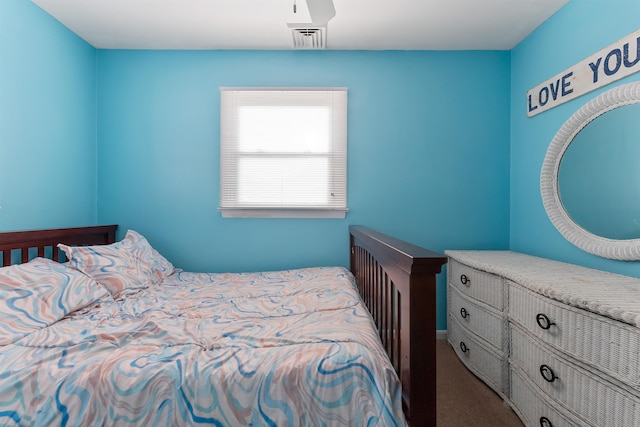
128	264
36	294
149	258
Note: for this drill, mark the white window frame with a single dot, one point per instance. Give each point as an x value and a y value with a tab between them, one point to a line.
232	155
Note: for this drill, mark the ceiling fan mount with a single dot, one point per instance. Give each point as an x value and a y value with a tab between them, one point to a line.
321	11
313	35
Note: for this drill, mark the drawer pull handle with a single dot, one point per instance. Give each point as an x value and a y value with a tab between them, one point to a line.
464	279
547	373
544	422
463	347
543	321
464	313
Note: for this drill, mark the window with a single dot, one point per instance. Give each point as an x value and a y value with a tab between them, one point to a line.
283	153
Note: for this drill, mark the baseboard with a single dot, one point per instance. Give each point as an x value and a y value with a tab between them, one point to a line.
441	334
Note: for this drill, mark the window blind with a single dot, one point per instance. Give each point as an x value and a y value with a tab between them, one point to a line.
283	152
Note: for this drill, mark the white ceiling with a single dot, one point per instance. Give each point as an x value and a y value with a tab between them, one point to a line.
262	24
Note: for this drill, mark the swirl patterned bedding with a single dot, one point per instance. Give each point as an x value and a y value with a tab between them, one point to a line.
117	336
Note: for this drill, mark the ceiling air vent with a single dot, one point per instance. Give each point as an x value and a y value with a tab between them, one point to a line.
308	36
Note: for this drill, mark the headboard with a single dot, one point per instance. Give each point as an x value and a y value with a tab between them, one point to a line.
25	245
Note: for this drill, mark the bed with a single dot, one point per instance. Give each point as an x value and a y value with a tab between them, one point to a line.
96	331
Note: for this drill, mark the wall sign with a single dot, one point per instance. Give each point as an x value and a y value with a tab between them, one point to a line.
612	63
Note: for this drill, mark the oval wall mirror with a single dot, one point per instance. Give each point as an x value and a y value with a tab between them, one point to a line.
590	181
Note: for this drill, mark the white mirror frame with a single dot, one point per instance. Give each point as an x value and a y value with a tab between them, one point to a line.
627	250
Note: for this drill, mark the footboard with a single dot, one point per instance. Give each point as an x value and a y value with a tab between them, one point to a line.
397	281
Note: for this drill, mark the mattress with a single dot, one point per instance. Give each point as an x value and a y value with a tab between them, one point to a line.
294	348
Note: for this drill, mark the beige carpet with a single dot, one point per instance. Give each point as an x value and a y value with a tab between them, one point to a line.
464	400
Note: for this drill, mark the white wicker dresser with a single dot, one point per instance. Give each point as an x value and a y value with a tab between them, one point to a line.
569	352
477	322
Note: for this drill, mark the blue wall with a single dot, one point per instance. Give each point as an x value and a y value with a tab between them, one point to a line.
47	122
577	31
428	157
441	152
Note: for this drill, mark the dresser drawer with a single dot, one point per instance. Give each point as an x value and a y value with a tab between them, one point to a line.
481	359
598	401
610	346
485	287
482	320
533	408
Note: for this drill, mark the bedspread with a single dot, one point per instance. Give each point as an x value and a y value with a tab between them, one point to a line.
289	348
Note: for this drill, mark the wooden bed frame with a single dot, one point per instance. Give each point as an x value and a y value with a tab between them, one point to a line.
397	281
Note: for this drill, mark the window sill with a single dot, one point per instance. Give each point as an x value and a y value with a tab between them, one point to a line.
282	213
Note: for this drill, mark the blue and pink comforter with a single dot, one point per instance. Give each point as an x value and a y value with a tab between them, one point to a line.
289	348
